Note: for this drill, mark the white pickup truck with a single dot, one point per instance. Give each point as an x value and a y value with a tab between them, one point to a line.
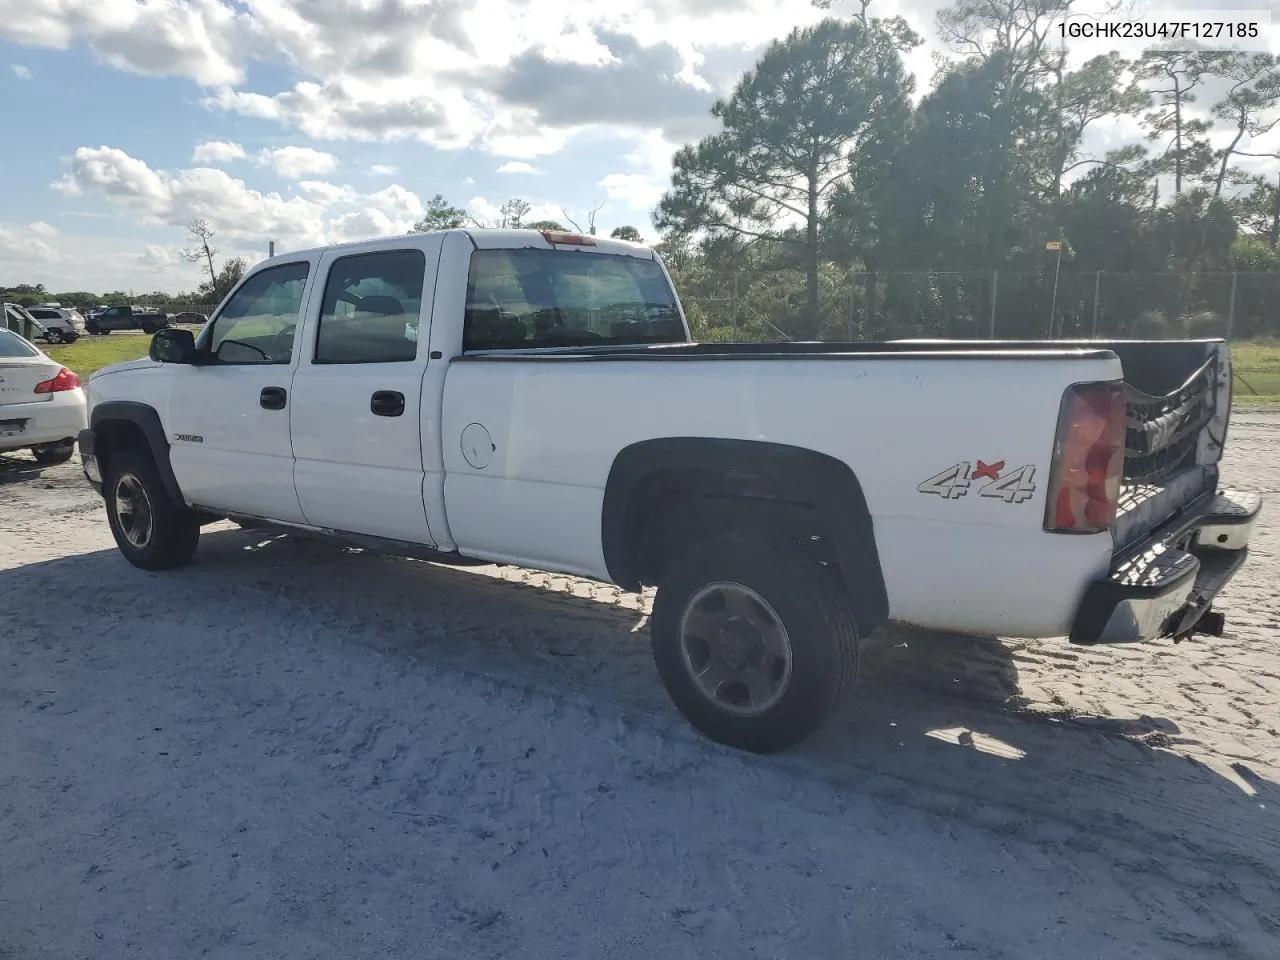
533	398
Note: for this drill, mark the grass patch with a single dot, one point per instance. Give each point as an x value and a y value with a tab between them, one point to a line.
89	353
1257	367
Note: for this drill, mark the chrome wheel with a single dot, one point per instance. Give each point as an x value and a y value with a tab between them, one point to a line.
133	511
735	648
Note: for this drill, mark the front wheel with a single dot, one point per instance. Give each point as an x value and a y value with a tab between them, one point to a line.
151	529
754	640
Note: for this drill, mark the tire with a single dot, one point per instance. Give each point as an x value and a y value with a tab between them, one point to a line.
149	328
174	530
804	597
53	336
52	454
92	329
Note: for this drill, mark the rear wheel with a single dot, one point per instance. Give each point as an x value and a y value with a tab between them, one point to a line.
754	640
151	529
149	328
52	454
53	336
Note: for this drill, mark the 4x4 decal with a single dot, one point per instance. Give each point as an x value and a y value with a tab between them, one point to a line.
954	482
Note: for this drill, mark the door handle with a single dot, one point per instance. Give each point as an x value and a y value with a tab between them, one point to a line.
387	403
272	398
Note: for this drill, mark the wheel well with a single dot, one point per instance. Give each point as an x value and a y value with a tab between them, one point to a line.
114	436
127	425
663	496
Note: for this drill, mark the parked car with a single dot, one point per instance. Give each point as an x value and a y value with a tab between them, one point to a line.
188	318
787	499
61	324
42	405
125	317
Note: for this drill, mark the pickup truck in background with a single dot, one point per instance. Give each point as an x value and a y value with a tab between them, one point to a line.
534	398
125	317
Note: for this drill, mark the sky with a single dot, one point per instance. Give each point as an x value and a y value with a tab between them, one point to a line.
319	121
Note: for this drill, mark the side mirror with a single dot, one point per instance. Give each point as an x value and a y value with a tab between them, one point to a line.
173	345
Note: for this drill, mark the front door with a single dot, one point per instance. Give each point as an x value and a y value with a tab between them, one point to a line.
228	418
356	411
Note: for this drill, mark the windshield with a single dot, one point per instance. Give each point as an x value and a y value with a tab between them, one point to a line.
517	299
12	345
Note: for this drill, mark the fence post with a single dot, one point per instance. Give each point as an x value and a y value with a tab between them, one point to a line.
1231	304
995	290
849	325
1097	295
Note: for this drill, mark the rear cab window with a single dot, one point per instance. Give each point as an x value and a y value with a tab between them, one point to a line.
524	298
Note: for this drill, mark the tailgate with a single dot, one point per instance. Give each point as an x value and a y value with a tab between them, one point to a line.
1177	406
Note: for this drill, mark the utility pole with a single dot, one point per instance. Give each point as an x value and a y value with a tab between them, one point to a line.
1057	270
1275	216
1097	299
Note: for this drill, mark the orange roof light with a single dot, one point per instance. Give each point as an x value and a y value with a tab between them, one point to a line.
568	239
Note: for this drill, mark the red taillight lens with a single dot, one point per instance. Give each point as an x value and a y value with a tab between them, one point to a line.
65	380
1088	462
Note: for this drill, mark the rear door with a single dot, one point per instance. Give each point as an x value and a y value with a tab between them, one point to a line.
357	394
228	419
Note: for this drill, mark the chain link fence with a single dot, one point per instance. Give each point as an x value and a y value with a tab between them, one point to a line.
993	304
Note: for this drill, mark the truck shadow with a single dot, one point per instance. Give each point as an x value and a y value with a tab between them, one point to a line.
18	468
936	722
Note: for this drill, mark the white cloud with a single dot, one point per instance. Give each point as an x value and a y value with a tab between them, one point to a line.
487	212
397	202
324	192
209	41
517	166
322	212
18	247
217	151
21	72
295	163
42	229
363	224
382	170
154	255
516	77
639	191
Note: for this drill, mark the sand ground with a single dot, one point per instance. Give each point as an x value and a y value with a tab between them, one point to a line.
303	752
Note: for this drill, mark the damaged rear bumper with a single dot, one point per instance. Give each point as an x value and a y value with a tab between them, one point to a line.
1165	586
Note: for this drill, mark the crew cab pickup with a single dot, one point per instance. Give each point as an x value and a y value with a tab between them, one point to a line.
534	398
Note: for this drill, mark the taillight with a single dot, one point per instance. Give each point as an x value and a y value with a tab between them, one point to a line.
1088	459
65	380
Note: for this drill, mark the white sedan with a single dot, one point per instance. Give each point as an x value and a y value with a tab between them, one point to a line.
42	407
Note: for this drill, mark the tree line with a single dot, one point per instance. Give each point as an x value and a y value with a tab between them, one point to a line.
835	205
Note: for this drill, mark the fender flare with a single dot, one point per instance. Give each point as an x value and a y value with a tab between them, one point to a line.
756	470
146	419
